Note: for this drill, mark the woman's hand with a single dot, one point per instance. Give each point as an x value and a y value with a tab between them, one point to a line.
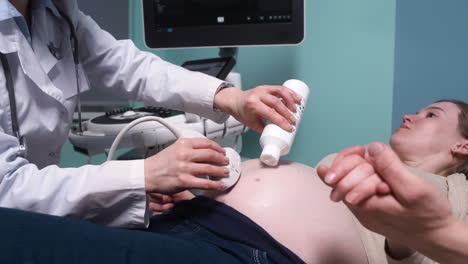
274	103
175	168
413	213
352	177
413	210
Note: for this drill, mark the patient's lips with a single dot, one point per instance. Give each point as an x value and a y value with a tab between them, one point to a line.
404	126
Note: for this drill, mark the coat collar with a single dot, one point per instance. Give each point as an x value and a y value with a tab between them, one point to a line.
8	28
7	11
9	38
13	41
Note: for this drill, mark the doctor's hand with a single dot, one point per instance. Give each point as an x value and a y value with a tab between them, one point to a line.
175	168
250	107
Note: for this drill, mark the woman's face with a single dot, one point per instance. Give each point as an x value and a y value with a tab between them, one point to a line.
431	131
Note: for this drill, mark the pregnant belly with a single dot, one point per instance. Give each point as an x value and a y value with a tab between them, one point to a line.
292	204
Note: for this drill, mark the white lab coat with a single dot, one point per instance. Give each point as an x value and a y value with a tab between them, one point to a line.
45	90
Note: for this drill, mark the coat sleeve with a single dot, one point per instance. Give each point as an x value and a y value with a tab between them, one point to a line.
119	67
111	194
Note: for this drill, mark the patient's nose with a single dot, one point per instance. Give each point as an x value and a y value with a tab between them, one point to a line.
408	119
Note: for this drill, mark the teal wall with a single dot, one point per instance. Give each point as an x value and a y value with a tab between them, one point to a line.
346	59
431	55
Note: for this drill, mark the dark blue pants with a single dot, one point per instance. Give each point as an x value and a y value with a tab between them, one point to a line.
30	238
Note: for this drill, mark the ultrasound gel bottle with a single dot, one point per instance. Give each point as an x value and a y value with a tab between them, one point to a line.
277	142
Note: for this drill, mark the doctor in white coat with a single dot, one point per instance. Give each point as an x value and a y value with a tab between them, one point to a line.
39	64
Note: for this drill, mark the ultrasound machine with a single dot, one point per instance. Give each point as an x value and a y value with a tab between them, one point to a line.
170	24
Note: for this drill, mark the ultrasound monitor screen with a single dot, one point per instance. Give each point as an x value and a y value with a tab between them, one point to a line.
222	23
191	13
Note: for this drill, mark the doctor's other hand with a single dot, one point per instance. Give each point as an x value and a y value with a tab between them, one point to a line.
159	203
250	107
174	169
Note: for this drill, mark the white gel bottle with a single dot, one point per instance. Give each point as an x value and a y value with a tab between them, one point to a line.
277	142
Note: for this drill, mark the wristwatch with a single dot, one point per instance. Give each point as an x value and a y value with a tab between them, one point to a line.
221	86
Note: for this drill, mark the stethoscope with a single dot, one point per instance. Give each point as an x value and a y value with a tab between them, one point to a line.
22	150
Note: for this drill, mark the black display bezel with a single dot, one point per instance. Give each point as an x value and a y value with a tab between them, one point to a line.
226	35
